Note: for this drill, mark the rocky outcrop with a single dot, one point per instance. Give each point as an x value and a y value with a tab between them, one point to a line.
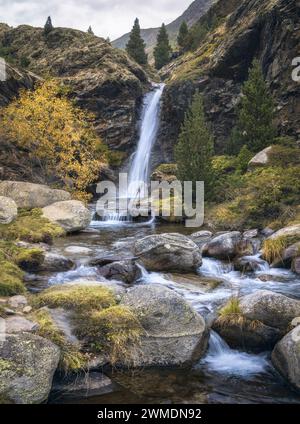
175	335
272	309
220	65
30	196
286	357
261	159
27	365
168	252
71	215
103	80
8	210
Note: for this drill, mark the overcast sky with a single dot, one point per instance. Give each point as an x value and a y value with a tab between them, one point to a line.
108	18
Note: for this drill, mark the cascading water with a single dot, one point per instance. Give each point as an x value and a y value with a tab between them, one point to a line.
139	172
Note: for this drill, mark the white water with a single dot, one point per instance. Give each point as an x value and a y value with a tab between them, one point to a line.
139	172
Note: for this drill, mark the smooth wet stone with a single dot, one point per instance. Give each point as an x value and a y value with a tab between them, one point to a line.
126	271
28	363
55	263
82	386
175	334
168	252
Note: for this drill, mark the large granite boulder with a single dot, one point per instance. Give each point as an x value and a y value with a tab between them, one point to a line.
29	196
71	215
8	210
272	309
168	252
223	246
175	334
27	365
286	357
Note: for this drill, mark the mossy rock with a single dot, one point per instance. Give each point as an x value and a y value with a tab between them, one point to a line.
31	226
30	259
11	279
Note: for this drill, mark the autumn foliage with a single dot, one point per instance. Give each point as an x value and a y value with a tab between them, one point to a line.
58	136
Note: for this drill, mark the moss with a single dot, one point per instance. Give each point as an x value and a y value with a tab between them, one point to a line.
29	259
31	226
115	159
10	279
71	359
112	331
76	297
167	168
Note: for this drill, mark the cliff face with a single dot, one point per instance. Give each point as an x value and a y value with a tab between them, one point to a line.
266	29
190	16
102	79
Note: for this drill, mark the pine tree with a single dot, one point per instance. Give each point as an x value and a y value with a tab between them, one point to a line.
162	51
195	147
90	31
255	117
136	45
48	26
183	35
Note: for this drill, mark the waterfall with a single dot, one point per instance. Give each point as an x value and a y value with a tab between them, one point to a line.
139	171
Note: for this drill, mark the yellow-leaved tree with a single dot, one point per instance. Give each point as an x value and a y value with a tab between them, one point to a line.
58	136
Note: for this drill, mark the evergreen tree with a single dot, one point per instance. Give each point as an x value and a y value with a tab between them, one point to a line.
136	45
162	51
48	26
195	147
90	31
255	117
183	35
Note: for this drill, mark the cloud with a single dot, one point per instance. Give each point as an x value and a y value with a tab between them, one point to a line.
108	18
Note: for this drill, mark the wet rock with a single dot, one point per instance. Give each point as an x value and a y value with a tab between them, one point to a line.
247	335
83	386
272	309
27	365
78	250
168	252
55	263
287	256
223	246
8	210
286	357
296	265
175	334
245	247
249	264
18	324
29	196
104	260
249	234
126	271
71	215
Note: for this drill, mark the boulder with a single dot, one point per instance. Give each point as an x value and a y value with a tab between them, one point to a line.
8	210
71	215
81	386
223	246
287	256
272	309
175	334
247	335
291	231
201	237
261	159
249	234
168	252
29	196
17	301
126	271
286	357
55	263
296	265
27	365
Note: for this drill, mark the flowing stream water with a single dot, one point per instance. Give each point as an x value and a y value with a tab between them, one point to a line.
224	375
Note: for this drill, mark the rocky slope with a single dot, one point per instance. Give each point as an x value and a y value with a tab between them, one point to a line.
102	79
268	30
190	15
